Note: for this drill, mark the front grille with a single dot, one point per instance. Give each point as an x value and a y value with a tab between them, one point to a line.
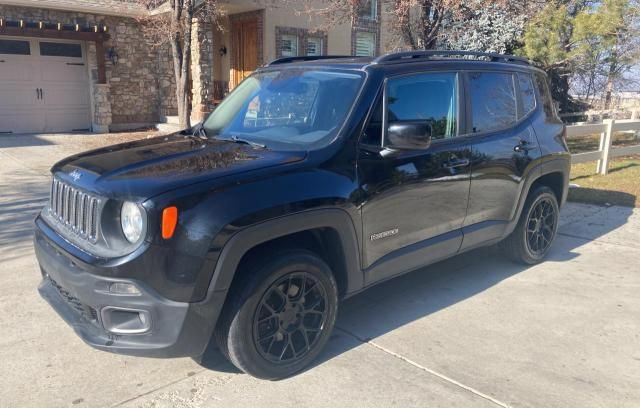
75	209
85	311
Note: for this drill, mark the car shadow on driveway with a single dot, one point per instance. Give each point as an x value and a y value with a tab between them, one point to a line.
400	301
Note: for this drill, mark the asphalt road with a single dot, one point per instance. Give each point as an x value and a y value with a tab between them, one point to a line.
473	331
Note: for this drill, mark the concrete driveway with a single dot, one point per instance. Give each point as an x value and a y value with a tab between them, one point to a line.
474	331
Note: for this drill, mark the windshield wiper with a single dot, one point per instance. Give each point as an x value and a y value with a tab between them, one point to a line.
237	139
199	130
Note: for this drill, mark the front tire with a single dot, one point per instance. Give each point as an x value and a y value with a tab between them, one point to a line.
530	242
280	316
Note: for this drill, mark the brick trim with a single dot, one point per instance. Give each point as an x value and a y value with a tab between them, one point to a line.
367	25
302	34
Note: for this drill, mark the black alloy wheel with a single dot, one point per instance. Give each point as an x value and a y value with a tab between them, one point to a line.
289	318
541	226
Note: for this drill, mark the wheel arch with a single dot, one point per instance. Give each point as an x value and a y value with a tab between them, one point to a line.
554	174
328	232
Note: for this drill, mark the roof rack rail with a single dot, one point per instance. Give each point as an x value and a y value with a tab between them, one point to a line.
302	58
408	55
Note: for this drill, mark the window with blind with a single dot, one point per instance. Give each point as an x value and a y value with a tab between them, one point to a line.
289	45
314	46
368	9
365	44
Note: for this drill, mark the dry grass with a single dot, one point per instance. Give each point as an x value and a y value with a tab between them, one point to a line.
592	142
620	187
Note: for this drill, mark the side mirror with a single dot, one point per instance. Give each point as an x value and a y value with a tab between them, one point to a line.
409	135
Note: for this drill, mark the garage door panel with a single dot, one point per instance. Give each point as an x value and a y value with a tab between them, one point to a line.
14	95
65	95
17	69
20	121
66	120
64	71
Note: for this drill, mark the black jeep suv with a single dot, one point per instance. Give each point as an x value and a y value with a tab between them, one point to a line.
313	180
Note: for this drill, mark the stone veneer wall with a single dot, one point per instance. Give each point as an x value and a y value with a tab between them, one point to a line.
202	88
141	87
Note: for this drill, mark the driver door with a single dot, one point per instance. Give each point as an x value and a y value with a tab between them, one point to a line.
414	200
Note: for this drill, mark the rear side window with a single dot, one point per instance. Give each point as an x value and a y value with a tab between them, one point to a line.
493	101
527	93
547	101
425	97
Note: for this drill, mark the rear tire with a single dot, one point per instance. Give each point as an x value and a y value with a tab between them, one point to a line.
530	242
280	316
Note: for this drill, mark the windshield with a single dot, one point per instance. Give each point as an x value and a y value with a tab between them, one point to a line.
286	109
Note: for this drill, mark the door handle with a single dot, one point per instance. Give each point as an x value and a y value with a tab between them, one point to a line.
454	163
37	93
522	147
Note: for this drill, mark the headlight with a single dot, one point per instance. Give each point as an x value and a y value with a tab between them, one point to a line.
132	220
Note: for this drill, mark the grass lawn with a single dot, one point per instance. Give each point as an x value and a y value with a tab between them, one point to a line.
620	187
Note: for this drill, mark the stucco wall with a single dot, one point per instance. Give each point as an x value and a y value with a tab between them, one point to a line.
339	37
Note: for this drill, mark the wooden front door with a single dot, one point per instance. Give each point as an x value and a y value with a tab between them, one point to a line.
245	50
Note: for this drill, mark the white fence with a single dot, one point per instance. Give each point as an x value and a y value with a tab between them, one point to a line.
634	113
606	151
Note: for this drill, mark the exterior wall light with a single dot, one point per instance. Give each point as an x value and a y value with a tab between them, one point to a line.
113	56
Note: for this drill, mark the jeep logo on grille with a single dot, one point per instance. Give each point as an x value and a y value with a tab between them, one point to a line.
75	175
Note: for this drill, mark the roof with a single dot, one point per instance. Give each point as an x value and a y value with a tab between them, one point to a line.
124	8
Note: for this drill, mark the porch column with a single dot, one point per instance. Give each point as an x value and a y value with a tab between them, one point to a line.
201	69
100	89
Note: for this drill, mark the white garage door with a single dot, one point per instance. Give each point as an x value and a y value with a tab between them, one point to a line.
44	86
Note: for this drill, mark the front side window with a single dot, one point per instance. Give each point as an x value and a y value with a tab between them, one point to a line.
493	101
365	44
289	45
432	98
288	109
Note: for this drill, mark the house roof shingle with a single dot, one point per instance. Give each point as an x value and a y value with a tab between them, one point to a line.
126	8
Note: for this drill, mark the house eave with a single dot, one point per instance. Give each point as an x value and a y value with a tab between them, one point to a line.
110	8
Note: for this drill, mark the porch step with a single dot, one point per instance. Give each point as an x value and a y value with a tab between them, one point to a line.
168	127
174	120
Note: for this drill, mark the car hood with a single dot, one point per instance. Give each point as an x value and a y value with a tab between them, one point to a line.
145	168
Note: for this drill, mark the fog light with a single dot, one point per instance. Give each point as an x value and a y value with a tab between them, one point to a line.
123	288
125	321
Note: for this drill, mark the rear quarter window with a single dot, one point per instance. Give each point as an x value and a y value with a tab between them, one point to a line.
527	94
545	95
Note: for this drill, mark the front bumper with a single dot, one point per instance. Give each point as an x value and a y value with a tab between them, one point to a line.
82	299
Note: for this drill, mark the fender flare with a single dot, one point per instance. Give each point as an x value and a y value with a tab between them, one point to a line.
557	165
243	241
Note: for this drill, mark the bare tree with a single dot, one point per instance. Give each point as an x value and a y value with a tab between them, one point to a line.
417	23
172	22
